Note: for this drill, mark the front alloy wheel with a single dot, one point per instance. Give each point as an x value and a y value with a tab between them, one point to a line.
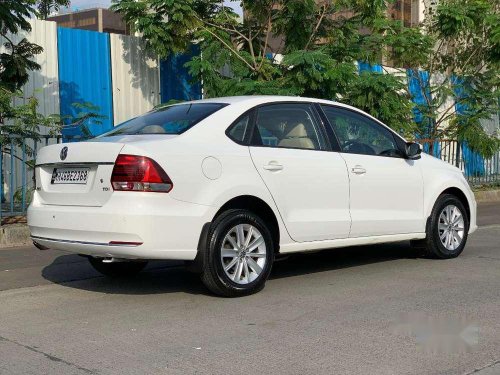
451	227
239	254
447	229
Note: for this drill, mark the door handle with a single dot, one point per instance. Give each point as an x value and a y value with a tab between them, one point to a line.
273	167
358	169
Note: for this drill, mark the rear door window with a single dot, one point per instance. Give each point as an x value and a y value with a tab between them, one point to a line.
288	125
174	119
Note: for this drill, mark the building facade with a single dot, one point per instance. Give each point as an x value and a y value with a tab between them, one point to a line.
407	11
96	19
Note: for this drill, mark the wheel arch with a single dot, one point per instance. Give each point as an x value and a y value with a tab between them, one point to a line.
431	245
452	190
457	192
258	207
247	202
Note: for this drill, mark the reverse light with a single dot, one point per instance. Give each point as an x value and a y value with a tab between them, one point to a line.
139	173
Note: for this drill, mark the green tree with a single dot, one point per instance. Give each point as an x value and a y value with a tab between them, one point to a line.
22	119
309	48
17	60
16	63
316	56
25	120
459	47
45	7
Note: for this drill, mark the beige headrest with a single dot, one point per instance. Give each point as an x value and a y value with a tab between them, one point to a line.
296	131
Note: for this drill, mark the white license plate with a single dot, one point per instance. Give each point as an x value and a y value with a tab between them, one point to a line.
70	176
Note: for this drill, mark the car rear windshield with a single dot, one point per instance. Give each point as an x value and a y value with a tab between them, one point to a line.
174	119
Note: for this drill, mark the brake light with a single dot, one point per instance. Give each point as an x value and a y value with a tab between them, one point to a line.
139	173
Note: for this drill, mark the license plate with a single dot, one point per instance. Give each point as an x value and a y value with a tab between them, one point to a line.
70	176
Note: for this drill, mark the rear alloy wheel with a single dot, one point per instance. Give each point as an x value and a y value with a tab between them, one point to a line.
243	254
448	228
117	269
239	256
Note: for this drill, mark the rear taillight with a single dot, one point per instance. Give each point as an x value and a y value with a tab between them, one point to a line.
139	173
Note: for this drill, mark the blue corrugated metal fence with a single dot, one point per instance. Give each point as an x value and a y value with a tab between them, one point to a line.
364	66
85	77
175	80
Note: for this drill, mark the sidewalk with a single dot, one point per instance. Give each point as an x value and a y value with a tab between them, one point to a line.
487	196
14	234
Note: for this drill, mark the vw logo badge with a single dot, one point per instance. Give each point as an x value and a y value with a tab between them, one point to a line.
64	153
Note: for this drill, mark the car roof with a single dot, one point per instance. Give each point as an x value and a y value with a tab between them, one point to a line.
261	99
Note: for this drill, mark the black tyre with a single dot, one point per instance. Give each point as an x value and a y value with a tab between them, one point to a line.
447	229
239	254
117	269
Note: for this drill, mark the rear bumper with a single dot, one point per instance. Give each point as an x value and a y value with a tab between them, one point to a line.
129	225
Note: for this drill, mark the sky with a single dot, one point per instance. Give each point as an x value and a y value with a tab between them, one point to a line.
83	4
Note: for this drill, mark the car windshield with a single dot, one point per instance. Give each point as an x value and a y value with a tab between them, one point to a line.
174	119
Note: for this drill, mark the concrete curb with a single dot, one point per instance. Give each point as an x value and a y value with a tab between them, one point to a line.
14	235
487	196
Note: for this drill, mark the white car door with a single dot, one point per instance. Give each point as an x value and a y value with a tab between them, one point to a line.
309	183
386	190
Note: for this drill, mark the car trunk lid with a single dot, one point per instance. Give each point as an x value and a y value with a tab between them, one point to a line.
76	174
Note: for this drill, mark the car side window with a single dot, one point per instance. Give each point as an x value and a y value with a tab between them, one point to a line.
288	125
239	130
358	134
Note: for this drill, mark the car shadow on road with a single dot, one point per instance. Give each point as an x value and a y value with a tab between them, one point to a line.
161	277
158	277
342	258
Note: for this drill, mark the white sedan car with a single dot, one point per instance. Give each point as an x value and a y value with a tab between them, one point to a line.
229	183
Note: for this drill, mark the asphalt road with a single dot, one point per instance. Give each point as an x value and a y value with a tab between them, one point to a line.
366	310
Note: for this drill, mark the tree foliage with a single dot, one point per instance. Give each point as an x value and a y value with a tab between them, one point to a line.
309	48
46	7
460	48
22	119
17	60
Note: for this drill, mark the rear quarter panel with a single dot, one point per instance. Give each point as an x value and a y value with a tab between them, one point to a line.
230	172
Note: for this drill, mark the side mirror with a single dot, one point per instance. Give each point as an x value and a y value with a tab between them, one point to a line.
413	150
